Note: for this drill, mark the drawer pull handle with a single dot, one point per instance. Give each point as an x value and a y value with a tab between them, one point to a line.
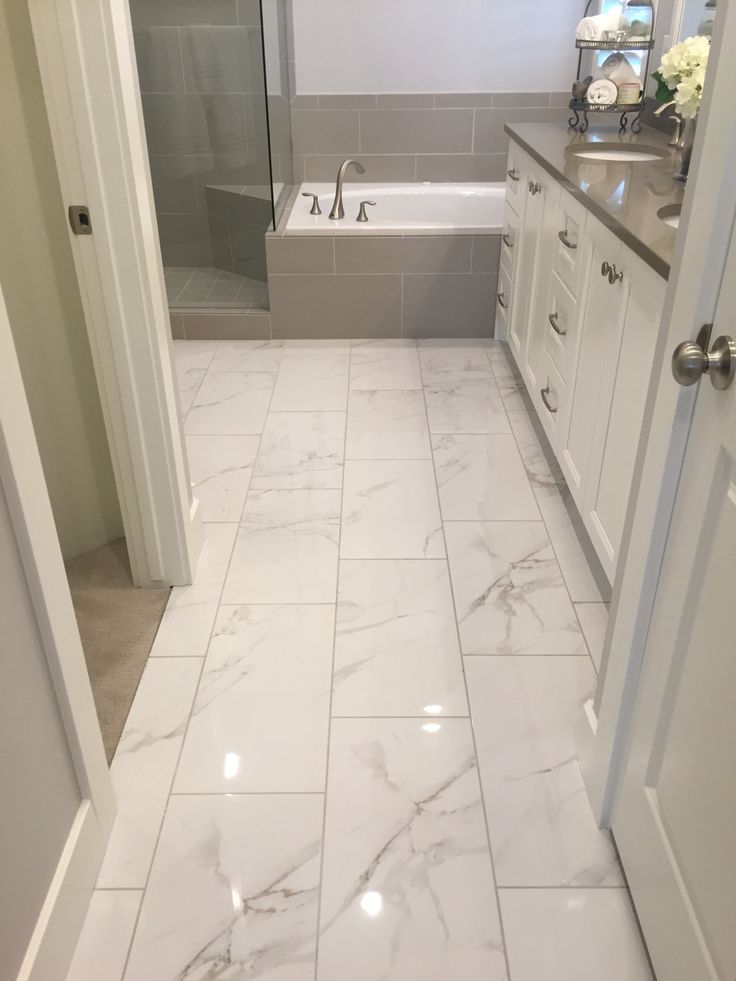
563	237
614	276
553	317
507	240
535	188
547	404
606	268
502	301
513	174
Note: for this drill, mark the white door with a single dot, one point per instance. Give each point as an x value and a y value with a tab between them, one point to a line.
675	814
57	803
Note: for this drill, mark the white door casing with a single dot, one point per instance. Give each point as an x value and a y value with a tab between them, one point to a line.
88	71
673	816
694	286
43	579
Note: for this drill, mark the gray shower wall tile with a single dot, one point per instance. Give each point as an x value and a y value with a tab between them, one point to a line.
325	131
185	240
462	167
384	168
175	13
406	100
489	124
486	254
174	186
213	326
249	12
346	102
416	130
222	59
518	100
158	55
194	124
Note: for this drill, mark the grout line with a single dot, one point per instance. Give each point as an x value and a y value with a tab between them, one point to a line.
332	678
470	714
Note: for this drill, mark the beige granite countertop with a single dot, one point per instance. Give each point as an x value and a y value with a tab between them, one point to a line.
624	196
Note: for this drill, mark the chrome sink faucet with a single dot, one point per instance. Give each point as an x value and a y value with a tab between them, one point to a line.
676	140
338	211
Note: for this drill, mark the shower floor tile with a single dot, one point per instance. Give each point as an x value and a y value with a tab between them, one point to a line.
205	288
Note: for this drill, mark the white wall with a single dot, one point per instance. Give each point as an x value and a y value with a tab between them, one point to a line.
40	286
435	45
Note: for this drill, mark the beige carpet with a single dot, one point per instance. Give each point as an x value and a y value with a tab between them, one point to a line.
118	623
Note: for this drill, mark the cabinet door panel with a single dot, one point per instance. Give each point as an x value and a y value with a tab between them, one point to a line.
600	333
608	496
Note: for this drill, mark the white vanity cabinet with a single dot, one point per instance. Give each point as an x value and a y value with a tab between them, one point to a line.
584	313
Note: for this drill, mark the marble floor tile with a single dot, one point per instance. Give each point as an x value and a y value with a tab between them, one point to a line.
287	548
407	889
220	469
449	361
306	346
390	511
248	356
231	402
482	477
186	625
260	719
233	891
466	407
542	830
509	594
507	375
315	381
385	364
582	584
186	397
143	767
191	361
102	948
301	450
396	647
572	935
593	619
540	469
387	425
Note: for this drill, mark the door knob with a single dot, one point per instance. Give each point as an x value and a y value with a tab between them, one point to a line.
691	361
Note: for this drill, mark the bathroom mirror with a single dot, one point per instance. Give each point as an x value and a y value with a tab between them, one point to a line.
695	17
677	20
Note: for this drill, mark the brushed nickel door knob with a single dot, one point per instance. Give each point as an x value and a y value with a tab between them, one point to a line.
690	362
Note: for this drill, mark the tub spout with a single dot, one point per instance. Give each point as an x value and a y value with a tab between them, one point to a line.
338	211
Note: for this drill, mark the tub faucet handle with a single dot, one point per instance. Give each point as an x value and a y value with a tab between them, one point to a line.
315	209
362	215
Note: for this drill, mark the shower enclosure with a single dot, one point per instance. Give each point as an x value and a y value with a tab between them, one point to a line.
216	86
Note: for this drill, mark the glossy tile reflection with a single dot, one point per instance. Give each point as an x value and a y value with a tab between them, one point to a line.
366	699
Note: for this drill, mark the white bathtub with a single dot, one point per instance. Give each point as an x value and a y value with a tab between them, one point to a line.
412	209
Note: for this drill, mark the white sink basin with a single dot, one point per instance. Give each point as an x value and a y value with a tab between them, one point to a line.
617	153
670	215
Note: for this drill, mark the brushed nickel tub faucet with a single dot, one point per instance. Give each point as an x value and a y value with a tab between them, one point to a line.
338	211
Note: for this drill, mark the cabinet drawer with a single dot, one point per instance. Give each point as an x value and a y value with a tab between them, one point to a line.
561	311
549	399
568	245
510	239
514	177
504	295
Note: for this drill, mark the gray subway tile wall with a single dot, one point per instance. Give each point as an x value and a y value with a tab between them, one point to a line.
420	136
394	286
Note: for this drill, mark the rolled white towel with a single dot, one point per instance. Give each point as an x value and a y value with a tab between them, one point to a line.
592	28
603	92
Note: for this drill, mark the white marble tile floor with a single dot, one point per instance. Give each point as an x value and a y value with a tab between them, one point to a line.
351	755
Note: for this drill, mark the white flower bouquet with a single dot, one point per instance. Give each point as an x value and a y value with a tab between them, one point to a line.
681	76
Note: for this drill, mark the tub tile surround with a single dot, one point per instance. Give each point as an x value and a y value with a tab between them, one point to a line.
350	756
396	286
422	136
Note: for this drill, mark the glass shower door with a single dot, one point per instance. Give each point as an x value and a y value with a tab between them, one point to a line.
202	79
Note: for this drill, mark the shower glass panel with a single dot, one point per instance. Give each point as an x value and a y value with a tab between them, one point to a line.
277	26
202	78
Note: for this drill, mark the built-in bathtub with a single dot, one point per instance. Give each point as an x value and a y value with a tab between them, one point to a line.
413	209
424	265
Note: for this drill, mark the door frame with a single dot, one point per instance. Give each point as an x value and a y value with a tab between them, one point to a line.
23	484
692	294
89	77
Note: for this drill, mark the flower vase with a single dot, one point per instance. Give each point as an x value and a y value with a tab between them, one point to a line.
688	141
